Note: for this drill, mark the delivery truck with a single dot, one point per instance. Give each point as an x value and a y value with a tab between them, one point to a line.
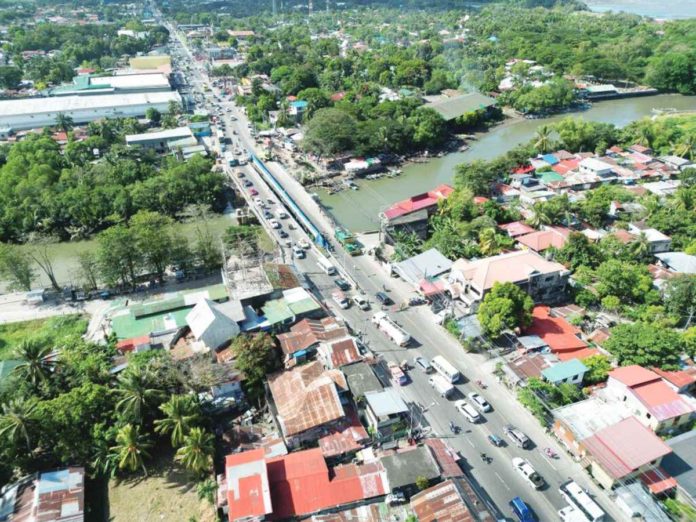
391	329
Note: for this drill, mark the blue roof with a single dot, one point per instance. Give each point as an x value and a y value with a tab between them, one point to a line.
550	159
299	104
564	370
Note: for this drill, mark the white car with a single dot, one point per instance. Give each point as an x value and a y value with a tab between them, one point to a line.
274	223
303	243
299	253
479	402
361	302
259	202
524	468
467	410
282	214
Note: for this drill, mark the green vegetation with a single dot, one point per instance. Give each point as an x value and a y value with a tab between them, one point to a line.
540	397
646	344
255	356
54	331
505	307
598	368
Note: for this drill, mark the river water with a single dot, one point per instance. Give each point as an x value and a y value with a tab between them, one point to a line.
357	210
664	9
64	255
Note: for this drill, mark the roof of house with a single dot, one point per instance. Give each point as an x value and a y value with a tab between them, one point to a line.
559	334
385	402
678	378
348	436
451	108
446	457
248	489
543	239
295	301
305	397
430	263
624	447
649	388
516	228
163	135
361	379
341	352
418	202
309	332
441	503
206	316
585	418
405	467
511	267
679	262
564	370
528	365
681	463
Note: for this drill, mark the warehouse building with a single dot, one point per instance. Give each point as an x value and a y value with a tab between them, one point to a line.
31	113
86	85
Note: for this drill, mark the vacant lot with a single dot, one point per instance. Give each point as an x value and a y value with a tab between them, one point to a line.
166	494
51	331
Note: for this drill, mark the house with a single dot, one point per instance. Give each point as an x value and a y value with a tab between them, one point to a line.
412	214
516	229
306	399
658	242
540	240
637	503
562	338
595	167
571	371
625	451
405	467
300	343
681	381
544	280
339	353
521	367
361	379
652	400
297	108
55	496
386	412
681	464
425	266
662	188
210	325
675	162
345	438
450	501
294	485
678	262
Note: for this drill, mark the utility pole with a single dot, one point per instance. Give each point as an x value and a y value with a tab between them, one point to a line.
310	6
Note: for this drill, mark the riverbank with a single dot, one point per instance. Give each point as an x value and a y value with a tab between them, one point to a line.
357	210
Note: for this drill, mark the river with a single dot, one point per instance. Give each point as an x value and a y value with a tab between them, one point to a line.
357	210
64	255
663	9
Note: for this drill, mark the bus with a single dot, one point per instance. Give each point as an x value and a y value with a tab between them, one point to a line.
580	503
444	368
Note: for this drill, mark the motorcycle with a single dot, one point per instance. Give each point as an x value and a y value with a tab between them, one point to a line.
453	427
485	458
481	384
550	453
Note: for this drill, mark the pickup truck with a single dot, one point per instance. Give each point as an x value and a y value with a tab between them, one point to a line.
397	374
340	299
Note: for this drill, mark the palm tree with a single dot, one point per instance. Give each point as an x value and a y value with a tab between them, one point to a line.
543	138
64	122
137	394
540	217
35	364
640	247
488	242
16	419
131	448
686	148
207	489
644	136
181	414
197	452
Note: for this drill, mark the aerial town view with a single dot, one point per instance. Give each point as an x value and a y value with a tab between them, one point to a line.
347	261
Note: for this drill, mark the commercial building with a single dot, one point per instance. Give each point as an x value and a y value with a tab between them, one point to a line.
31	113
86	85
159	141
451	108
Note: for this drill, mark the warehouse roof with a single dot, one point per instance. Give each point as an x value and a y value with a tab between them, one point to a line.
451	108
28	106
166	134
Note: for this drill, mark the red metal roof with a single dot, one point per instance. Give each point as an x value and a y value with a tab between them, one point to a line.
658	481
559	334
344	352
516	228
446	458
544	239
309	332
345	438
680	379
441	503
419	202
633	375
624	447
128	345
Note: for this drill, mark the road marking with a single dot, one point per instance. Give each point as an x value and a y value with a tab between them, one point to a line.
501	480
549	461
469	441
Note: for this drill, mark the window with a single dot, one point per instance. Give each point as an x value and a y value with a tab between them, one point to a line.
648	416
548	278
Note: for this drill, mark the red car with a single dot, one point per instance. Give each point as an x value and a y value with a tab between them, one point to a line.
254	192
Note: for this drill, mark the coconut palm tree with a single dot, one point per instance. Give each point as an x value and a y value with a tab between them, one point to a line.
489	243
16	420
640	247
686	148
197	452
542	138
181	414
35	363
540	216
644	136
138	395
131	448
64	122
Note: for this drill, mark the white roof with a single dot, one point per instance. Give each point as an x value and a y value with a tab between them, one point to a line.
595	164
166	134
132	81
386	402
28	106
205	315
607	87
679	262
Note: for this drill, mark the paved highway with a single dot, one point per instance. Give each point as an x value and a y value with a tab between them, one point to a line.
497	477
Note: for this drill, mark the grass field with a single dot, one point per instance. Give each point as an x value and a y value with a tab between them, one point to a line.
52	330
166	494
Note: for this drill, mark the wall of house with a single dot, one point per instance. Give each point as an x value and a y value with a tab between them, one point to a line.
567	438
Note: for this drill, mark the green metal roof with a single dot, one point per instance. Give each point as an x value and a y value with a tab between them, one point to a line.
451	108
277	311
304	306
550	177
127	326
564	370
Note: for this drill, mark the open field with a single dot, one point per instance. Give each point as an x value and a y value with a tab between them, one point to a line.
51	330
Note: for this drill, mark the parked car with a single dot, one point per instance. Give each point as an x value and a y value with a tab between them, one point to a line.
273	222
248	183
282	233
267	214
479	402
303	243
254	192
383	298
342	284
298	252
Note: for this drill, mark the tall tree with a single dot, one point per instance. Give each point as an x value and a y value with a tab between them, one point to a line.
680	298
504	307
16	421
646	344
542	138
255	357
120	260
35	362
88	269
196	453
139	394
16	267
64	122
42	256
153	238
131	448
181	414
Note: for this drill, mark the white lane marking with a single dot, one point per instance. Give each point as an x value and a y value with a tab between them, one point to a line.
501	480
549	461
469	441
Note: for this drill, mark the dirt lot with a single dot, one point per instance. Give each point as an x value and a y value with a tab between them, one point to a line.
166	494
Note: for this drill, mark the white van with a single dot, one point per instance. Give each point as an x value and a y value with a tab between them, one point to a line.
326	266
468	411
340	299
445	368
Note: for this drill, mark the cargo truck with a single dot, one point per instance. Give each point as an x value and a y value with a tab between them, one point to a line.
391	329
